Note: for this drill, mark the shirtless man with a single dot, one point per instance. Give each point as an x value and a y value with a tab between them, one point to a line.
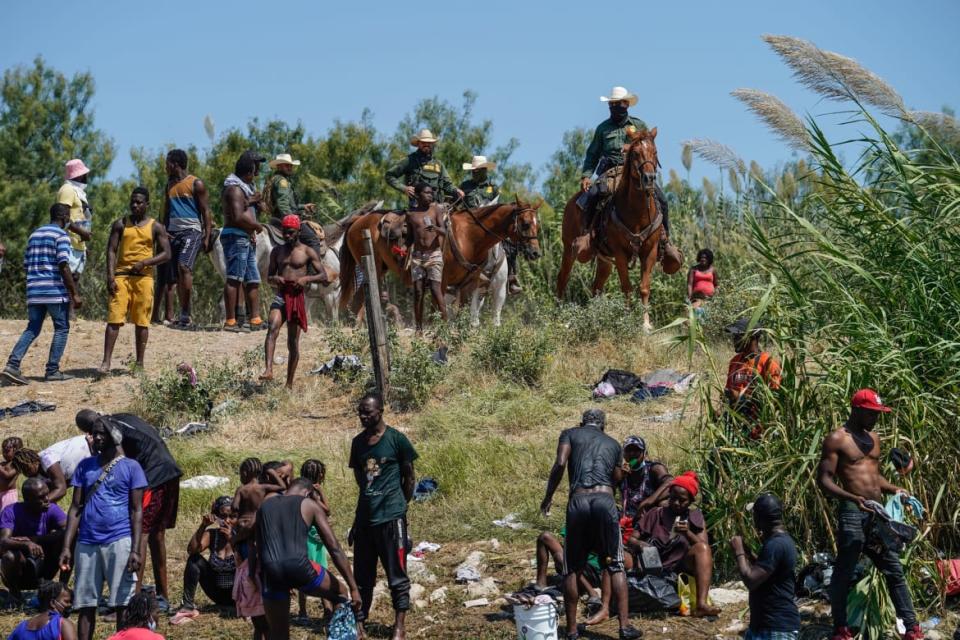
283	524
288	275
852	455
427	263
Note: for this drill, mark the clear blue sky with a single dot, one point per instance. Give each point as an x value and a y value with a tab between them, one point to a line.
538	67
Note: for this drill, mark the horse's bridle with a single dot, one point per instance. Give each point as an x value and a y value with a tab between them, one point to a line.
514	228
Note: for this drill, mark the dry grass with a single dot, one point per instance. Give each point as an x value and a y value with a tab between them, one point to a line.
490	444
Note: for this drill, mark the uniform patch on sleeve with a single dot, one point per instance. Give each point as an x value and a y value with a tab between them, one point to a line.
283	184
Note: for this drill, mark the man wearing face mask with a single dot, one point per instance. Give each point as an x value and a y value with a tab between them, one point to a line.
851	455
288	275
105	521
605	157
421	166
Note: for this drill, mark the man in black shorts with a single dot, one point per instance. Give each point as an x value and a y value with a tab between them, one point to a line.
283	523
596	466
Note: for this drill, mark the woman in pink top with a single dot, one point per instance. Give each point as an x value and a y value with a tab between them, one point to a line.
139	619
702	279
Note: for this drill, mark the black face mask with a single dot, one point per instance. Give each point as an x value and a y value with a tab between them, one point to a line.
426	155
618	113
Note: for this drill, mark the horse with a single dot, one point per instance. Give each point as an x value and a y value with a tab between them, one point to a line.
633	227
471	234
496	271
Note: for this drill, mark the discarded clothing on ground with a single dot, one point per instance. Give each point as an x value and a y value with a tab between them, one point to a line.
532	595
425	489
24	408
623	382
651	385
339	363
509	521
648	393
204	482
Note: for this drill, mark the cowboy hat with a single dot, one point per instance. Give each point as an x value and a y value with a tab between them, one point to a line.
283	158
479	162
424	136
75	168
619	93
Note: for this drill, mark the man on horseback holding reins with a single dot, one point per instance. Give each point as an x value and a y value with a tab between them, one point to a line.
282	201
605	157
421	166
479	192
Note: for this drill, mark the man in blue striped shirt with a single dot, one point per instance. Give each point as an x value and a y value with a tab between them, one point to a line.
50	290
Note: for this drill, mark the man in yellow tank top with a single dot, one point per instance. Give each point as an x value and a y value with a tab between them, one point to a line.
130	261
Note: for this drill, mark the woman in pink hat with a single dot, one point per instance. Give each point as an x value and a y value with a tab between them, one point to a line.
73	193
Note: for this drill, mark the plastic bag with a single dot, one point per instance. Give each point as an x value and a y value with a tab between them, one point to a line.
650	593
343	624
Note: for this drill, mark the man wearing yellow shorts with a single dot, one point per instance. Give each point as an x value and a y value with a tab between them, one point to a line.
130	261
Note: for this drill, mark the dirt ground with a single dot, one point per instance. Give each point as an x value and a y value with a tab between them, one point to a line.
317	416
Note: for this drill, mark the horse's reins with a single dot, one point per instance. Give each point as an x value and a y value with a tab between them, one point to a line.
637	239
468	266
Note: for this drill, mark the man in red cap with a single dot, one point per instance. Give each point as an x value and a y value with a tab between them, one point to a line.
851	455
678	531
288	275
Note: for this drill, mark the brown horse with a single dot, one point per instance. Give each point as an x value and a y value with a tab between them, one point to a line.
471	235
632	229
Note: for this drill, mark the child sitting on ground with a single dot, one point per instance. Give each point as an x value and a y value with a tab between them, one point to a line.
8	474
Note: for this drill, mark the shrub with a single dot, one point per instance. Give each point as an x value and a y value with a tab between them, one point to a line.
513	351
413	375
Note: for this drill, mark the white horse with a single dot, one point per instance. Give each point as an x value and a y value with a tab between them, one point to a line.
316	293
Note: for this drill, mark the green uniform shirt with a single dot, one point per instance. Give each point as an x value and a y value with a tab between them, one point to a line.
416	168
608	141
478	194
381	494
283	199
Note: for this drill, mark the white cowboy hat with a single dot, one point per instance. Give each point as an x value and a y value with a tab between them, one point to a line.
283	158
424	136
479	162
619	93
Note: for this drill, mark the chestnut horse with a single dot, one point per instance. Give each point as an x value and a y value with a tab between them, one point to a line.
632	230
471	235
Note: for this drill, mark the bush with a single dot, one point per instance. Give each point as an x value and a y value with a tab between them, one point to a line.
413	375
514	352
606	316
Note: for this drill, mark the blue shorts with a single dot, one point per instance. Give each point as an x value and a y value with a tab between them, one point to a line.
241	257
308	588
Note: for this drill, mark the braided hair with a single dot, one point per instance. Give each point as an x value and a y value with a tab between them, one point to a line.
313	470
139	611
13	442
25	459
49	591
251	468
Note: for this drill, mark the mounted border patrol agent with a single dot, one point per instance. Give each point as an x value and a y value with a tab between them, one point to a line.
421	166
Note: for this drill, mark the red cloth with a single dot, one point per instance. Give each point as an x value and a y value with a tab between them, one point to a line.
295	304
688	481
290	221
950	572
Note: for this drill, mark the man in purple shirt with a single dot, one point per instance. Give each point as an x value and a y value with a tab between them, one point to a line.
31	538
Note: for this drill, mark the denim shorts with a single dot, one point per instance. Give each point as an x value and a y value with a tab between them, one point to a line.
241	258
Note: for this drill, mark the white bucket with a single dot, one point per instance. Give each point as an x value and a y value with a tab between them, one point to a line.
538	622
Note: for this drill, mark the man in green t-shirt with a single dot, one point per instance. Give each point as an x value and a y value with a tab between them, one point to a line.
382	461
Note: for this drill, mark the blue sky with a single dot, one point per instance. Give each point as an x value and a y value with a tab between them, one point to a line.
538	67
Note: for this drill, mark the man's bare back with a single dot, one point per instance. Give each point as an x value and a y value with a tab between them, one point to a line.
246	502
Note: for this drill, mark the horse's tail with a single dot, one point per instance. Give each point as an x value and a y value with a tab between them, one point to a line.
348	275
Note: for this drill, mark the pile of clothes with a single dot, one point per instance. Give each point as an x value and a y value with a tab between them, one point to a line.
616	382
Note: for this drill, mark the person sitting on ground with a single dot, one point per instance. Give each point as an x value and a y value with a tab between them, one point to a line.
54	602
592	524
283	523
8	472
130	265
749	368
31	538
426	264
139	619
679	533
315	471
701	279
216	575
770	578
647	482
549	546
288	275
55	464
161	500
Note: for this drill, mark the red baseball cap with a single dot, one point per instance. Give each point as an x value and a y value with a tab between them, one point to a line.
868	399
